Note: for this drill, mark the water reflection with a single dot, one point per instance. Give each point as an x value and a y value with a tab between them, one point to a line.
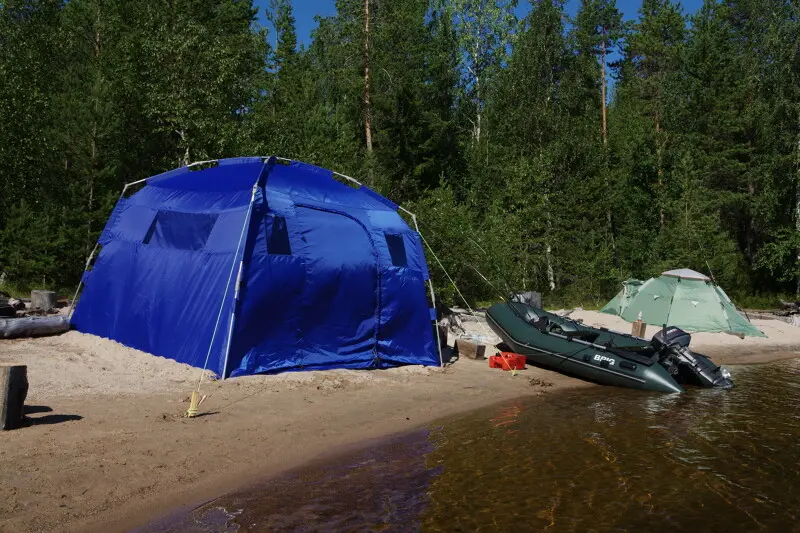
594	460
381	488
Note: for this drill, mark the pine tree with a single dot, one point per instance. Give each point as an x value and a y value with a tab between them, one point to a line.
654	55
777	206
281	16
598	29
525	115
501	134
89	118
30	188
27	79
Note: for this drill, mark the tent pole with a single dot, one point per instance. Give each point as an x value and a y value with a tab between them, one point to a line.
400	207
267	164
137	182
433	300
233	316
91	255
190	165
80	283
245	224
348	178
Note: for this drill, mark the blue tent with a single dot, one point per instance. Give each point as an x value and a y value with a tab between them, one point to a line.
255	265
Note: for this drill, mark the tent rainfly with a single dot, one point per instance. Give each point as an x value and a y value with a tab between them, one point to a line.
682	298
257	265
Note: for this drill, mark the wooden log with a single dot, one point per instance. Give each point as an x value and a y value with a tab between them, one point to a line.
43	300
13	391
470	349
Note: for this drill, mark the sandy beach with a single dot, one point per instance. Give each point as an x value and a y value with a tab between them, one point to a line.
108	448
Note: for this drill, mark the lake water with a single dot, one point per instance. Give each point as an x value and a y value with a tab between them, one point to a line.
601	459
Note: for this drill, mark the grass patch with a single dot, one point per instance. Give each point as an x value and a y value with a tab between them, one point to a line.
762	301
23	290
15	291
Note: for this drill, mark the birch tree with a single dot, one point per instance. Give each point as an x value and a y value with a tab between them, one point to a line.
485	31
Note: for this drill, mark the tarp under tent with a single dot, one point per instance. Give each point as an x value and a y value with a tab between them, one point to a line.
258	265
682	298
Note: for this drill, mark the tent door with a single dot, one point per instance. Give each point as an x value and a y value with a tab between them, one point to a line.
341	298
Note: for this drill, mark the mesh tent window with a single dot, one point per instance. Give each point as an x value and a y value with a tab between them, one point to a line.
181	231
397	249
277	236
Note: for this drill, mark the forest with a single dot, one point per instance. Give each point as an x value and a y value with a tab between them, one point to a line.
559	152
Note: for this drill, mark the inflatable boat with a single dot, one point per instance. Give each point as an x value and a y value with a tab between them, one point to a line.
663	364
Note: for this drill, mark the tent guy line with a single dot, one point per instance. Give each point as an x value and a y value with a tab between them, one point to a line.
236	296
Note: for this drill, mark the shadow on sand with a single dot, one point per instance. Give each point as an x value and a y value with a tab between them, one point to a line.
46	419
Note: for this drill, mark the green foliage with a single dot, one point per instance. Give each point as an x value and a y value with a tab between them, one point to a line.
484	29
489	128
38	259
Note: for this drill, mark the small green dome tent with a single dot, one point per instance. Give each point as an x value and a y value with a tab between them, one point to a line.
682	298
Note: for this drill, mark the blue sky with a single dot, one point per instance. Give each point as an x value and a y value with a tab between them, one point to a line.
306	10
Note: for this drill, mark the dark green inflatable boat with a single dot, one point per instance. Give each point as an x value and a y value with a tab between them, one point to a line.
664	364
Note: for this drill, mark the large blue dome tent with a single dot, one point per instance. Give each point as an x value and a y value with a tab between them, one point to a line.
257	265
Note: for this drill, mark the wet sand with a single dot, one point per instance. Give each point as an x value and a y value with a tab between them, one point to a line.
109	449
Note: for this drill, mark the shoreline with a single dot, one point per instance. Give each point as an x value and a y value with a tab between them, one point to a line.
138	517
132	458
261	480
110	451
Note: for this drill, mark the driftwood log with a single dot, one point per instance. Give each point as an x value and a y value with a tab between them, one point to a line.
532	298
43	300
13	390
791	307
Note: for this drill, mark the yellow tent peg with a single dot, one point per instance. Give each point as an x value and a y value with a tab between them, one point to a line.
193	404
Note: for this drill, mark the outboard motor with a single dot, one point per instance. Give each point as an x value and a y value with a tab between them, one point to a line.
686	367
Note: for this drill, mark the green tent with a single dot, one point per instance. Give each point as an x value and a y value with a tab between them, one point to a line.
682	298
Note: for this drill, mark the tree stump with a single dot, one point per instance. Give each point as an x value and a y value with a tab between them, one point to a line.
6	309
43	300
470	349
13	390
442	335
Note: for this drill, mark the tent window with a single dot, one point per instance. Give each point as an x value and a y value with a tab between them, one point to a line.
182	231
277	236
397	249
